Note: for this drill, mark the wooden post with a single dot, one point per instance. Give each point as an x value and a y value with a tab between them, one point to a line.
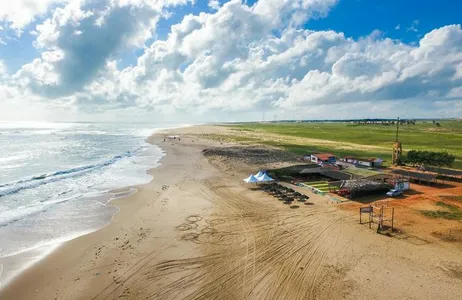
370	221
360	216
392	218
380	225
382	217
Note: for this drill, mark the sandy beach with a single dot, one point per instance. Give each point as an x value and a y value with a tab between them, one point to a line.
198	232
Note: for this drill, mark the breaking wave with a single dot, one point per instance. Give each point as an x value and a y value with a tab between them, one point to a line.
35	181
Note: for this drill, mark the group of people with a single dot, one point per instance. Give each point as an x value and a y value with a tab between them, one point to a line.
172	137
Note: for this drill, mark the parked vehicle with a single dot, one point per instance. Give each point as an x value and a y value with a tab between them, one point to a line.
394	193
343	192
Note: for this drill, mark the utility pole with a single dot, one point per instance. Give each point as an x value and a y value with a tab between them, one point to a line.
397	130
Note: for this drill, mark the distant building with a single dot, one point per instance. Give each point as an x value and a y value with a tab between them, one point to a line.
307	157
320	158
364	162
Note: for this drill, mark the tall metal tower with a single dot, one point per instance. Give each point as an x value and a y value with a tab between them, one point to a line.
397	148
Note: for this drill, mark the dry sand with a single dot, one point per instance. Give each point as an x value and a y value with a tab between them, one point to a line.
197	232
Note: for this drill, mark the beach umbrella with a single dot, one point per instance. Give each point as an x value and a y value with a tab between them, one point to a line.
251	179
264	178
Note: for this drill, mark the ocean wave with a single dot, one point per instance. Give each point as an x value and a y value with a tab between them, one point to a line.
11	158
2	168
84	132
14	215
35	181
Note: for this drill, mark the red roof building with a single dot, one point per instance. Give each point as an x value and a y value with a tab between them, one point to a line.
323	157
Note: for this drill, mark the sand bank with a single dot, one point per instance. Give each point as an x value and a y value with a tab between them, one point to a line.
197	232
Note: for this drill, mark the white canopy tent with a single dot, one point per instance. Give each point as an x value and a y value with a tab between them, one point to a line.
251	179
264	178
259	174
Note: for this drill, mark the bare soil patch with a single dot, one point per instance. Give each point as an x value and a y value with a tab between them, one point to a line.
449	235
250	155
429	212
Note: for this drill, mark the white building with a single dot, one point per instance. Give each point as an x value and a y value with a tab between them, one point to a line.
364	162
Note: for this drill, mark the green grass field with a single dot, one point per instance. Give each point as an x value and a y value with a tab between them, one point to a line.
361	172
378	139
323	186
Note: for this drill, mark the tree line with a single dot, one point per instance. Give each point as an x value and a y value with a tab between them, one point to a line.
429	158
382	122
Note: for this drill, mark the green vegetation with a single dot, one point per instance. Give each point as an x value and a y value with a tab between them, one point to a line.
446	205
430	158
449	212
452	198
360	140
362	172
323	186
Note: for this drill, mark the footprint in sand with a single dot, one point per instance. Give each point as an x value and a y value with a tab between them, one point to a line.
163	203
186	226
215	222
144	233
191	223
190	236
206	234
194	218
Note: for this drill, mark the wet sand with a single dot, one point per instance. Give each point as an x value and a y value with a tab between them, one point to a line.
198	232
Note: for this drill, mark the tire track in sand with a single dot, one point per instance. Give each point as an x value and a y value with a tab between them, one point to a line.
249	250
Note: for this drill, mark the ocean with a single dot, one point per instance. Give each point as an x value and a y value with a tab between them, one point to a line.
55	182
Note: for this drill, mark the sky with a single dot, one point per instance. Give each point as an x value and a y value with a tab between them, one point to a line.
217	60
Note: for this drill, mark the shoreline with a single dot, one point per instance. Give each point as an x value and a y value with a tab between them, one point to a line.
198	232
39	253
82	244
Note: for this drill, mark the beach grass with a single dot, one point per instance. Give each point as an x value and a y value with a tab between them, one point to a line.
447	211
351	139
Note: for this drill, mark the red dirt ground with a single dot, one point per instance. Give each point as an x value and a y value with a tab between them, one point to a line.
408	217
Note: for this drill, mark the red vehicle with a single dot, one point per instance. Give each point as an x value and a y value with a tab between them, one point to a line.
343	192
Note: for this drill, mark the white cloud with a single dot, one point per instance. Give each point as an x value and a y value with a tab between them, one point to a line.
387	71
19	13
413	26
214	4
3	72
292	11
217	52
81	37
449	108
237	61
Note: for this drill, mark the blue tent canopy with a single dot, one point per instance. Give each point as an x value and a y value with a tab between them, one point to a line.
264	178
251	179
